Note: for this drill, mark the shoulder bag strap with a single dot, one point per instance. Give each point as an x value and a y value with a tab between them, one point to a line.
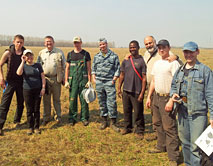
135	68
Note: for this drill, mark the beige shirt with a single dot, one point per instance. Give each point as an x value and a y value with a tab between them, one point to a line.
163	72
50	60
150	64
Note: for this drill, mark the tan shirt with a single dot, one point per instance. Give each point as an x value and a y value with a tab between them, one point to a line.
51	60
150	64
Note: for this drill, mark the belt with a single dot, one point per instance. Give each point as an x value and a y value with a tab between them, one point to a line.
184	99
162	94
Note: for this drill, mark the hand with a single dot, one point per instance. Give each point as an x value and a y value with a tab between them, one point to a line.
175	96
172	58
2	83
93	78
88	84
42	92
169	105
211	123
67	85
127	57
148	103
140	98
23	58
119	93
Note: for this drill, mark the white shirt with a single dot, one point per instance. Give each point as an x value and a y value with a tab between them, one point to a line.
163	72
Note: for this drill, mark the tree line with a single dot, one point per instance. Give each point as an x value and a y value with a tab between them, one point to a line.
6	40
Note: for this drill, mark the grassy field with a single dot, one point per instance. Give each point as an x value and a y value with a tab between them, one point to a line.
78	146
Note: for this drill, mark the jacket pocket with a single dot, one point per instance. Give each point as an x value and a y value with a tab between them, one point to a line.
199	84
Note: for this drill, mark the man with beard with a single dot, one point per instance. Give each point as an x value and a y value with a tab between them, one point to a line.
133	75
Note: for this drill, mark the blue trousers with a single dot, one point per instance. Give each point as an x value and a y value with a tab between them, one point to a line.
190	128
106	94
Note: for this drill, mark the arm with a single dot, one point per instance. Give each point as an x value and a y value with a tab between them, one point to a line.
151	90
21	66
143	88
43	84
67	69
93	70
117	70
121	80
63	61
89	70
2	62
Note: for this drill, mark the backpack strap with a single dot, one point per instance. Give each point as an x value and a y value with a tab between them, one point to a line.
133	66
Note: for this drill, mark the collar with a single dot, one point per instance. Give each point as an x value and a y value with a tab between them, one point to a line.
53	50
195	67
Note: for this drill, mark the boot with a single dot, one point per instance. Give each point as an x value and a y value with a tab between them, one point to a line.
113	125
103	123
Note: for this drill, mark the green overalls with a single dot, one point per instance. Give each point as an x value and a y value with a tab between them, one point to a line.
78	78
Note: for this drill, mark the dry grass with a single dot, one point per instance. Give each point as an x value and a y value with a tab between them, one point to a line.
76	146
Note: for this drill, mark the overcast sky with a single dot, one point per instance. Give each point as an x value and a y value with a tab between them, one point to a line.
120	21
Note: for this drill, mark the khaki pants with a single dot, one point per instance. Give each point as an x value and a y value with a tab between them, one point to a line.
54	89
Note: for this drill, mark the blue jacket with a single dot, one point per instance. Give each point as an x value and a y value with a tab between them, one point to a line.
106	67
199	88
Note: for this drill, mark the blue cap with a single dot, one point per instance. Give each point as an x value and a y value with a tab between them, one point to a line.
191	46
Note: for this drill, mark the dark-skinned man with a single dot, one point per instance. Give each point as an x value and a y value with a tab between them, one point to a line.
133	76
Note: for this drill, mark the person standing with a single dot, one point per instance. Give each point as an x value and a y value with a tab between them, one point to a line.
165	122
105	72
33	88
13	83
193	85
133	75
77	76
53	63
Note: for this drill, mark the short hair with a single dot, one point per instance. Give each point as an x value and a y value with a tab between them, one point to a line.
135	42
49	37
18	37
104	40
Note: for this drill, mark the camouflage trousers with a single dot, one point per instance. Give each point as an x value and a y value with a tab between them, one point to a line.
106	94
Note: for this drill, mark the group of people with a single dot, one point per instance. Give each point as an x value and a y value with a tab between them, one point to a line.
173	88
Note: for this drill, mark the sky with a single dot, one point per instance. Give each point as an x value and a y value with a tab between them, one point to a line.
120	21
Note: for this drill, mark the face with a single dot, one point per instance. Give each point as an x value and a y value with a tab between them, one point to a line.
191	56
163	51
103	47
133	49
49	43
77	45
29	58
150	44
19	43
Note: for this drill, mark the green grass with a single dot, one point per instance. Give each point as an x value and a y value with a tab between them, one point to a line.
76	146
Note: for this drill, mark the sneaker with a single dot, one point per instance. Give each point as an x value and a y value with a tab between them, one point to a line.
85	122
1	132
173	163
126	131
37	131
155	150
30	131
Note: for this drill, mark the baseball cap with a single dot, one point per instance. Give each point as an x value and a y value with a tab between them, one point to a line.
191	46
77	39
163	42
103	40
27	51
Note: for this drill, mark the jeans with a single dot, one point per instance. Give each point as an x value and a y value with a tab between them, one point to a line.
6	100
32	101
130	101
190	128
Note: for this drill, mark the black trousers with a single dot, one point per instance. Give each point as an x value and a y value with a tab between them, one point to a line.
130	102
32	101
6	100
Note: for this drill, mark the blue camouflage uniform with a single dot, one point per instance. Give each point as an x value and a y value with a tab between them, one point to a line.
105	67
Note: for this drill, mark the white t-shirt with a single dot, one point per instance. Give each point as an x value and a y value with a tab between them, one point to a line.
163	72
